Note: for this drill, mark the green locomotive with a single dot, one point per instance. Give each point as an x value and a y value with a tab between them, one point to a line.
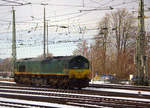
60	72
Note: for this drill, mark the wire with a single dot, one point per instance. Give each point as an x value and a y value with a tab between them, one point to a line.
124	3
50	4
71	17
9	1
81	14
53	42
31	21
51	17
96	2
4	20
67	14
107	3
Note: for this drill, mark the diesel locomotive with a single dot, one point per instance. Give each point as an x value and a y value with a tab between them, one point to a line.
58	72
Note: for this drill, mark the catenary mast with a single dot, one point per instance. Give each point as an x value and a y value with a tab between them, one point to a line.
13	41
141	66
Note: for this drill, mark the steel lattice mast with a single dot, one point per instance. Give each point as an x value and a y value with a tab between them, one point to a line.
141	71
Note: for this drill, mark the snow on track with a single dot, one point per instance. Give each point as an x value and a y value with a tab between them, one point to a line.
118	90
44	104
8	82
72	94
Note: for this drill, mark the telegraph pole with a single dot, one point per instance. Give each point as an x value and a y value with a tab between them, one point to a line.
47	38
141	69
44	53
13	41
44	33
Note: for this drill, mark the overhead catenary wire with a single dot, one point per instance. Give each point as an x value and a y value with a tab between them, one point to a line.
9	1
73	16
60	16
14	3
103	4
123	3
96	1
52	42
31	21
92	9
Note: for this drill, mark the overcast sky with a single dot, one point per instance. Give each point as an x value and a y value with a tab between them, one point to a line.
69	13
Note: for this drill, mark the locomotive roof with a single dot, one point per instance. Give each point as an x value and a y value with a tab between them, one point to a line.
49	58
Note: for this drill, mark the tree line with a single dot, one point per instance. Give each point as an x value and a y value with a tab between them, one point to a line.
113	50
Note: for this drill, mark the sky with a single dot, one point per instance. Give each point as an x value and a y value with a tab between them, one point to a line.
70	22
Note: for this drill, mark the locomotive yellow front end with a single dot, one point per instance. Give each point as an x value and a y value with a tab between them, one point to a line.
79	72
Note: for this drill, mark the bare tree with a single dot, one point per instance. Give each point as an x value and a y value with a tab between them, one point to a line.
124	32
104	31
114	44
123	23
82	49
5	65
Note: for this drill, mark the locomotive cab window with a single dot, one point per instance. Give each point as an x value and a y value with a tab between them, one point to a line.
79	63
86	65
22	68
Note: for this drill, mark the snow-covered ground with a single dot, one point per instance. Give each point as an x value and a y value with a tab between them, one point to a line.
72	94
67	106
8	82
108	82
89	88
116	90
119	90
44	104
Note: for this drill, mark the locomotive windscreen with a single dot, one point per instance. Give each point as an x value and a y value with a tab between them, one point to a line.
79	63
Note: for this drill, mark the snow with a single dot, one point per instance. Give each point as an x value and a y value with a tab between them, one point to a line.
88	88
44	104
72	94
87	105
99	82
107	82
14	105
119	90
8	82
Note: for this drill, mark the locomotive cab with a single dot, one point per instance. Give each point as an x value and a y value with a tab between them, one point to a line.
79	62
79	71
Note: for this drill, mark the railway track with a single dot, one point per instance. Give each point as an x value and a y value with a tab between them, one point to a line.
88	91
18	105
83	91
140	88
79	98
70	99
127	87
